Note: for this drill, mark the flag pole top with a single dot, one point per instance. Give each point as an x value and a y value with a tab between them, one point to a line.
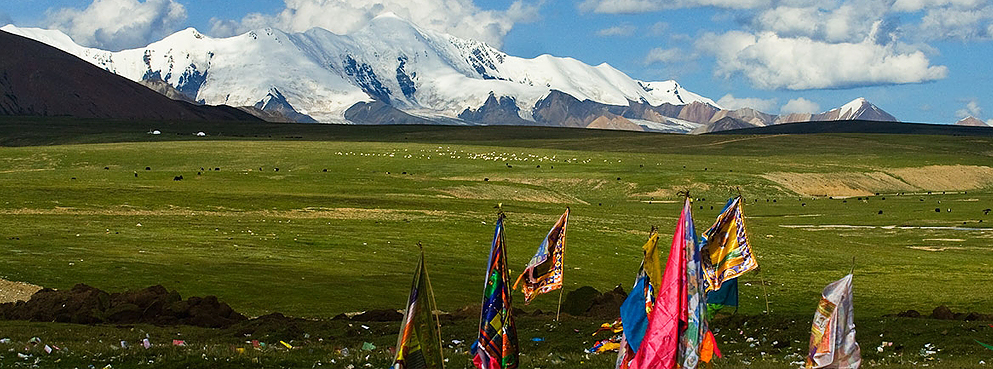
853	266
420	247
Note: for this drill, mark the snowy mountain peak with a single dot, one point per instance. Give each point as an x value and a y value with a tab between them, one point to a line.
854	106
971	122
858	109
389	15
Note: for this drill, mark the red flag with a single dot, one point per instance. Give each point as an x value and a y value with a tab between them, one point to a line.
661	343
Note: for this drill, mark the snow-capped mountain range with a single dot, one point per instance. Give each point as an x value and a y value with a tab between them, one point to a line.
322	74
392	71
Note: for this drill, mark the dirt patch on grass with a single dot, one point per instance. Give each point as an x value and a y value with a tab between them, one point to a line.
946	177
673	191
935	248
501	192
847	184
16	291
838	184
566	182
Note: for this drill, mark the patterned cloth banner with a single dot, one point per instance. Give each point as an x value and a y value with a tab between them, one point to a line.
696	303
659	349
496	347
638	304
832	334
419	341
727	253
544	272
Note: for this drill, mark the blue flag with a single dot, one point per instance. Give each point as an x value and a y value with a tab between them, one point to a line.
634	315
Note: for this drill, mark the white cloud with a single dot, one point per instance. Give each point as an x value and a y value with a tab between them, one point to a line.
800	105
458	17
673	55
956	23
773	62
658	29
644	6
118	24
844	23
620	6
916	5
729	102
621	30
971	109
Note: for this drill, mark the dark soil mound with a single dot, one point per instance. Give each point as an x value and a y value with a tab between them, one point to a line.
587	301
153	305
385	315
909	314
274	325
578	301
608	305
944	313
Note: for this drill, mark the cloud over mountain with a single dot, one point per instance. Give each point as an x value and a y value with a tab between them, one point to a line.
805	44
773	62
118	24
730	102
971	109
800	105
457	17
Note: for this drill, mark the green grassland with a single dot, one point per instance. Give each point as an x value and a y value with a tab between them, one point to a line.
77	205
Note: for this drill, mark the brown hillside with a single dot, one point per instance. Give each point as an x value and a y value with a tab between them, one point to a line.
39	80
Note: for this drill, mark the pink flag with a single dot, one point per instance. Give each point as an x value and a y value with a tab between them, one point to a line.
661	343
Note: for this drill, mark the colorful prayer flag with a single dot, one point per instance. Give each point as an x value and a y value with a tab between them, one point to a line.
724	297
709	348
419	341
727	253
544	272
638	304
696	303
660	347
651	264
832	334
496	347
633	312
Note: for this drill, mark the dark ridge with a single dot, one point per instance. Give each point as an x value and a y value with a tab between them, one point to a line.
378	112
502	111
40	80
862	126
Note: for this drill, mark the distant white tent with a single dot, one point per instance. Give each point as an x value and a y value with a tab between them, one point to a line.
155	132
201	134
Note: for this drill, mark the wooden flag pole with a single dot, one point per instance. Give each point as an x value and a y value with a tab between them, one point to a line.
764	292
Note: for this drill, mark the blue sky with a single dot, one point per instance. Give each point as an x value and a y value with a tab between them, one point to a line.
920	60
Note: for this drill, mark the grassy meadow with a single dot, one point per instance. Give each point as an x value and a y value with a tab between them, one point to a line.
335	228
